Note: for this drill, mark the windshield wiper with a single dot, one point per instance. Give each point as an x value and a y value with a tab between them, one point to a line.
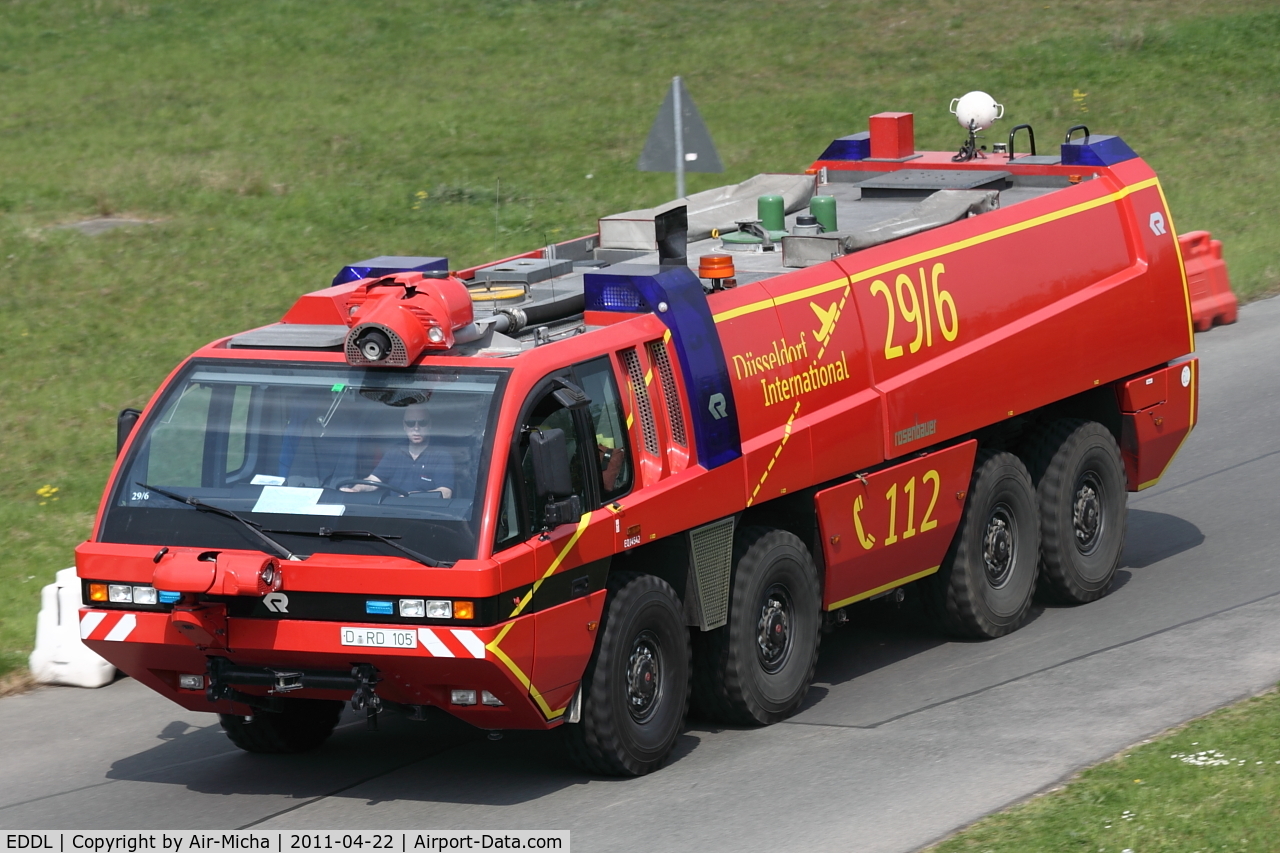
327	533
253	528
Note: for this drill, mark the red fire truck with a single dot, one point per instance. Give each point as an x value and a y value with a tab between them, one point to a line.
591	484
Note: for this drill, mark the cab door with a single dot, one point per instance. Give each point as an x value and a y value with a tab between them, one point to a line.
565	590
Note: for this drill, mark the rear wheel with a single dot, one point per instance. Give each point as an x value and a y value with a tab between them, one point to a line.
636	689
300	725
1080	488
985	585
756	669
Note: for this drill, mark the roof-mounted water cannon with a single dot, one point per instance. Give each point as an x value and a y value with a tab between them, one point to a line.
975	111
396	318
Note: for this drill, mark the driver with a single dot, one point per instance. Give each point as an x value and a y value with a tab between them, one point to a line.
413	467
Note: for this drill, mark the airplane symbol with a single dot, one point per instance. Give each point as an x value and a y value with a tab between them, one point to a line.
828	320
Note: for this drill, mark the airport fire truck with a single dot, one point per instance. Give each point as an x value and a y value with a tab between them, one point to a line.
589	485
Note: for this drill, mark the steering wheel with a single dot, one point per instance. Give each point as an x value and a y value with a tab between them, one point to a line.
353	481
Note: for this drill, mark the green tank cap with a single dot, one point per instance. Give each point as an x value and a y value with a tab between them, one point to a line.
823	208
771	211
740	237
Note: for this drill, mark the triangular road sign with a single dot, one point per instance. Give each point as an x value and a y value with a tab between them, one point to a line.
693	151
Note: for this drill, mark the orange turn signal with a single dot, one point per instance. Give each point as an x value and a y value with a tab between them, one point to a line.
97	592
464	610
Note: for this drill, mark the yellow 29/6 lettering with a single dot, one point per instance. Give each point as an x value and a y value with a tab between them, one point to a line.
915	307
928	523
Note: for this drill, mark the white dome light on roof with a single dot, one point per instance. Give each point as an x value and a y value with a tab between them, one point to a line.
976	111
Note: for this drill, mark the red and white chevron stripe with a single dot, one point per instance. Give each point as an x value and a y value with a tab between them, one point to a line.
100	625
451	643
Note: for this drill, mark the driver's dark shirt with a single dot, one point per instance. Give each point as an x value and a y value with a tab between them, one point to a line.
431	470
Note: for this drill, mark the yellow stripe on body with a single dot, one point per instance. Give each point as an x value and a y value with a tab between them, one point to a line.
899	582
519	674
977	240
1182	269
502	656
555	564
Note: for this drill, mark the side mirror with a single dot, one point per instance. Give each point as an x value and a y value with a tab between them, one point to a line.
552	478
125	422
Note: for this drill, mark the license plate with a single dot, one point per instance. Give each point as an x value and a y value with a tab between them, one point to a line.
379	638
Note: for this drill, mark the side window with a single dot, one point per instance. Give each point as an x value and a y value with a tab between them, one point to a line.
549	414
614	460
507	532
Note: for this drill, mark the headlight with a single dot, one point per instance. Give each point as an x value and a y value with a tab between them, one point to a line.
439	609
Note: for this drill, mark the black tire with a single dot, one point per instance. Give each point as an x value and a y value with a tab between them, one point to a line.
988	577
1080	488
756	669
301	725
636	689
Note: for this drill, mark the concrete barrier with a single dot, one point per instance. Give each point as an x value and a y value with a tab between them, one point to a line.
59	656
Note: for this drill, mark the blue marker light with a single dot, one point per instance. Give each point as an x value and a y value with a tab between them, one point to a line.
380	608
168	596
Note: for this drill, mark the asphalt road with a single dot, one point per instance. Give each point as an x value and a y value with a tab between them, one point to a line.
906	736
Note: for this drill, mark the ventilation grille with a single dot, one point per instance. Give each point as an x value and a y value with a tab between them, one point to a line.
712	547
658	355
644	408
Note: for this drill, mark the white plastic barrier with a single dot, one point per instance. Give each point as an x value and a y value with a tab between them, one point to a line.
59	656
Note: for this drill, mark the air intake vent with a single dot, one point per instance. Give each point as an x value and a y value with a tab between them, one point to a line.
644	409
658	355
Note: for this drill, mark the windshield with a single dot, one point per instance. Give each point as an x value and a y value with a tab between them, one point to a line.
300	449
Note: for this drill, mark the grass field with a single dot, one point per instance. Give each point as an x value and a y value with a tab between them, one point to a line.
1212	785
270	142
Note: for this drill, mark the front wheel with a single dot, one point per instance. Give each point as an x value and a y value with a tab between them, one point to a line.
756	669
636	688
985	585
301	725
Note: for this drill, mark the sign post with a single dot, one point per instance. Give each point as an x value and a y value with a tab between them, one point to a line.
678	140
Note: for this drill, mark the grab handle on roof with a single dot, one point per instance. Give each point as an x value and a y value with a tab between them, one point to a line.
1073	129
1031	135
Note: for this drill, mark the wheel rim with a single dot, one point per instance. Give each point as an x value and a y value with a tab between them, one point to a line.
644	676
1000	545
1086	512
773	631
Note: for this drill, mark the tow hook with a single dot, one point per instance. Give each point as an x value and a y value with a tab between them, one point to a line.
285	682
365	698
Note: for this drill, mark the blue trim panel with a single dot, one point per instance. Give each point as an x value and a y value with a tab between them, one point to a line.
1096	151
386	265
706	373
855	147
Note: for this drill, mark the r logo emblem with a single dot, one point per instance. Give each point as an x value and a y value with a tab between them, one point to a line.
276	602
1157	224
718	407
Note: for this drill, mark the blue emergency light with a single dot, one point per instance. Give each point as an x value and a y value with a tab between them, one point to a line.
857	146
675	294
1096	150
388	264
380	608
168	596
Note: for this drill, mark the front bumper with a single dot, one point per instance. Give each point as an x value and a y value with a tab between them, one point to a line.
498	658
